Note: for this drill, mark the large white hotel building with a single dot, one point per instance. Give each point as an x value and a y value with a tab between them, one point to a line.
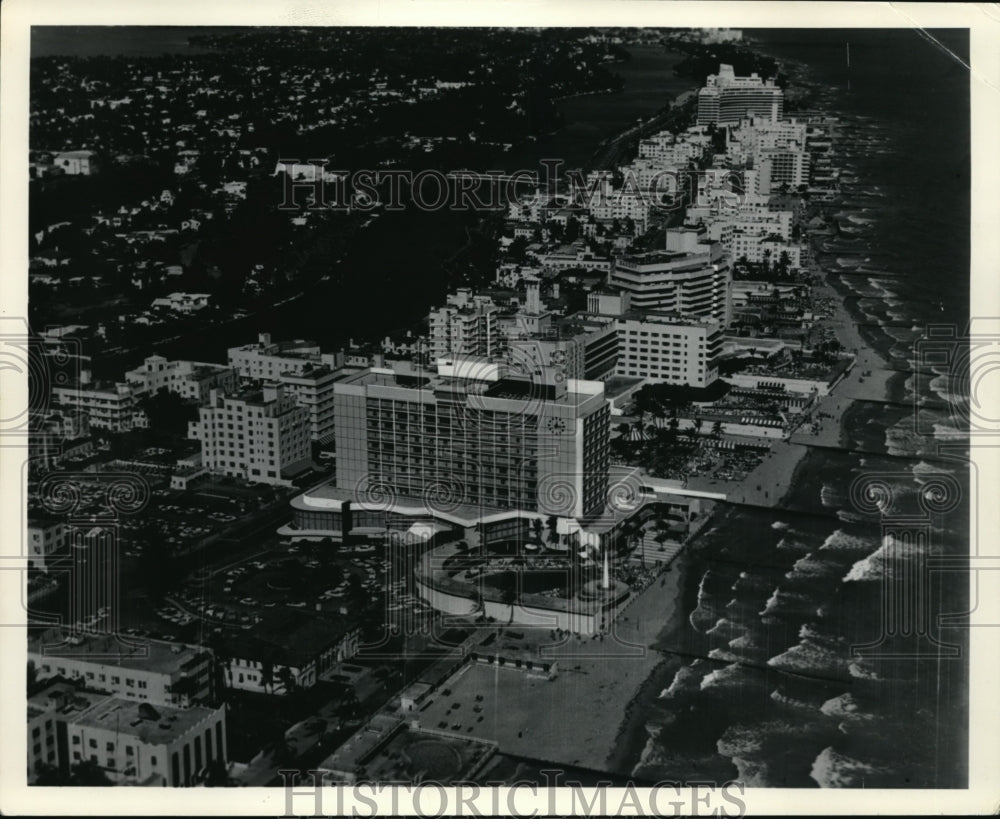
691	277
478	436
727	99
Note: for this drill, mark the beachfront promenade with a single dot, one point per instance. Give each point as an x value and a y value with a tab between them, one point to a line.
866	380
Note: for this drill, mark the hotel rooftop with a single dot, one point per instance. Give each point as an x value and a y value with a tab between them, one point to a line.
138	654
154	725
477	378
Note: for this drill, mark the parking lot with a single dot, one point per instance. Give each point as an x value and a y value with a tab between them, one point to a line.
182	519
313	576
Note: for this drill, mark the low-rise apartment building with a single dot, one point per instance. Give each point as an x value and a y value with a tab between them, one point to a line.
267	360
152	671
287	650
189	379
141	744
110	407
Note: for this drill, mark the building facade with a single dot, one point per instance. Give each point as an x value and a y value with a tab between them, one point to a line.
48	712
153	671
137	743
312	390
467	325
253	435
113	408
488	441
691	277
727	99
267	360
289	650
667	349
193	380
783	166
45	539
77	163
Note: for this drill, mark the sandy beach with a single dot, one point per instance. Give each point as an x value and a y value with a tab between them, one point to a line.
856	385
566	720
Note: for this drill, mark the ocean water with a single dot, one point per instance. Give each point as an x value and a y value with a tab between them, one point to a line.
803	677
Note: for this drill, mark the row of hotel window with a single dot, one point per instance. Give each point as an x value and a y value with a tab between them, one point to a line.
271	473
222	453
115	680
216	425
657	334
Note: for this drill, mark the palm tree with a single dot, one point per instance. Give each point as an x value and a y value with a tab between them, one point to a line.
509	598
553	524
267	674
783	263
88	773
216	776
717	429
287	678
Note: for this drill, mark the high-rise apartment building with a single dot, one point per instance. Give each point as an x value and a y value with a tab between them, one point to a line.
691	277
254	435
783	166
313	391
727	99
466	325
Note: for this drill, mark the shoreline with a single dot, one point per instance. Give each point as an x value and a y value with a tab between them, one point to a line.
773	482
631	736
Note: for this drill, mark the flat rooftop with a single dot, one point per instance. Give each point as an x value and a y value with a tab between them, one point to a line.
140	654
412	753
330	497
288	636
653	257
618	384
673	319
362	743
63	698
155	725
206	370
579	323
475	388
